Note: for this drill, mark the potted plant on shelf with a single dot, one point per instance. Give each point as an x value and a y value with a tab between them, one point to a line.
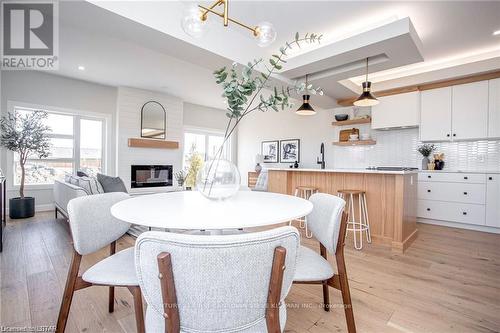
26	135
426	150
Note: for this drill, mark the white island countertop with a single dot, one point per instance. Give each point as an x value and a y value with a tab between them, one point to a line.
347	170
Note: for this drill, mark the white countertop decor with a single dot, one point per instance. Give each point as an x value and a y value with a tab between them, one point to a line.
346	170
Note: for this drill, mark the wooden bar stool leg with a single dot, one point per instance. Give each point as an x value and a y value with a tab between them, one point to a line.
308	233
353	223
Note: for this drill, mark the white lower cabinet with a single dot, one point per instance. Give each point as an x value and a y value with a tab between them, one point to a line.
471	198
493	200
451	211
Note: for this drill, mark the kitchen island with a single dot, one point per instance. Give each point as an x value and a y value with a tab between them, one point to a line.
391	197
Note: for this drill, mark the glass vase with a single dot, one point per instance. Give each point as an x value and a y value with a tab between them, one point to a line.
218	179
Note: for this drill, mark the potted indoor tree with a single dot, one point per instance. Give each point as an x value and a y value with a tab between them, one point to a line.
27	135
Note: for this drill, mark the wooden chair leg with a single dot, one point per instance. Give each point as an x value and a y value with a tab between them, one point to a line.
346	295
69	290
111	306
326	296
139	312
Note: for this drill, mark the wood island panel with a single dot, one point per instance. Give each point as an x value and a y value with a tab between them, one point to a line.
391	199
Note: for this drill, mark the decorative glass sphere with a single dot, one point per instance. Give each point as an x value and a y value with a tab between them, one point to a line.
218	179
192	24
266	34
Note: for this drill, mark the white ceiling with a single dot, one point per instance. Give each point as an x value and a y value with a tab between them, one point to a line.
145	47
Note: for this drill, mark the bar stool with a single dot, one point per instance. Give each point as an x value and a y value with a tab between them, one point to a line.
304	192
363	224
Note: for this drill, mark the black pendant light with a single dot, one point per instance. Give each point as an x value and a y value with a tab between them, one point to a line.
366	98
305	109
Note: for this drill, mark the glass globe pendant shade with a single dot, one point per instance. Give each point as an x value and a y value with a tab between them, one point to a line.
192	24
218	179
366	98
265	34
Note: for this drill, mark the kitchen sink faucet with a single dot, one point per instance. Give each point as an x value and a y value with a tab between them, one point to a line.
322	151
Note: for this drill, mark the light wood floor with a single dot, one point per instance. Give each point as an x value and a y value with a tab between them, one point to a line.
448	281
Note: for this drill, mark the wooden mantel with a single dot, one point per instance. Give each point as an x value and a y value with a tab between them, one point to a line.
152	143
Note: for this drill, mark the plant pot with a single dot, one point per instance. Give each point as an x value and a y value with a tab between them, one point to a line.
20	208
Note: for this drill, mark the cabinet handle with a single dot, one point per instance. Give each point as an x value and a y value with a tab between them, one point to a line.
490	178
429	191
466	177
454	134
448	135
429	176
465	193
464	213
428	209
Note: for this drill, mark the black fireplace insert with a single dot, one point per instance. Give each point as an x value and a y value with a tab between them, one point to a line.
151	175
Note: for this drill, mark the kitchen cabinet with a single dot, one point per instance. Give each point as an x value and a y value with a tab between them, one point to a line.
435	114
470	111
458	113
394	111
453	196
493	200
494	109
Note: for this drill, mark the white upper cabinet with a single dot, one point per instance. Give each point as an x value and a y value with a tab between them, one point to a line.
435	114
470	111
400	110
494	109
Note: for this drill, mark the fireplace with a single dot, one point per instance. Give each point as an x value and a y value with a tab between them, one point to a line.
151	176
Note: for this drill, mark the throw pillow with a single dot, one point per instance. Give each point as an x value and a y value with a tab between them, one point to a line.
111	184
90	185
81	174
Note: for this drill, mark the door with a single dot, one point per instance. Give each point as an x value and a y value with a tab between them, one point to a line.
400	110
435	115
494	109
470	111
493	200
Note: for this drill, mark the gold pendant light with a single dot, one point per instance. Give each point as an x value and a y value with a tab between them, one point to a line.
366	98
305	109
194	23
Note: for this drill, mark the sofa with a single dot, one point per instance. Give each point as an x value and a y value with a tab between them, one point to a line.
63	193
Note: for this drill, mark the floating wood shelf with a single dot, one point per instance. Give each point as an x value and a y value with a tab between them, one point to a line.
355	143
352	122
152	143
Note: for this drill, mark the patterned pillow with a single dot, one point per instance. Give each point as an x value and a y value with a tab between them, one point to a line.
90	185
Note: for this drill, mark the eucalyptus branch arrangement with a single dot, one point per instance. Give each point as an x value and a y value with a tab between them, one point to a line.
426	149
247	90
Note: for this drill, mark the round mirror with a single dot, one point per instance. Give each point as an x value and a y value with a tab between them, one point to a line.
153	120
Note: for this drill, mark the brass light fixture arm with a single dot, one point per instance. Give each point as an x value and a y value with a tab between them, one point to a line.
225	15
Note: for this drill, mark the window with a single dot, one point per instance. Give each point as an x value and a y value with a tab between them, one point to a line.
199	147
77	144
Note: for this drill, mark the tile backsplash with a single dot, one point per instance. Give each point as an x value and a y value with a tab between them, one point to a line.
399	148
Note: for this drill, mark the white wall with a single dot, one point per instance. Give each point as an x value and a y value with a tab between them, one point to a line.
51	90
128	124
393	148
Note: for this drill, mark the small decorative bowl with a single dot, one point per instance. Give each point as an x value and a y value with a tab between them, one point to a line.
341	117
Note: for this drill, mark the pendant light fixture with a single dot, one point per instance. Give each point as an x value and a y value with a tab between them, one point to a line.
366	98
194	23
305	109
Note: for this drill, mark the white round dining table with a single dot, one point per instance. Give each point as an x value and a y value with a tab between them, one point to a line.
191	210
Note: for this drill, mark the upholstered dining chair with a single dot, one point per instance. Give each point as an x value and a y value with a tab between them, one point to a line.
232	283
328	224
93	227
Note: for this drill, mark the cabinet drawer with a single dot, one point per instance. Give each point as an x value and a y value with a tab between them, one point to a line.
453	192
451	211
456	177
